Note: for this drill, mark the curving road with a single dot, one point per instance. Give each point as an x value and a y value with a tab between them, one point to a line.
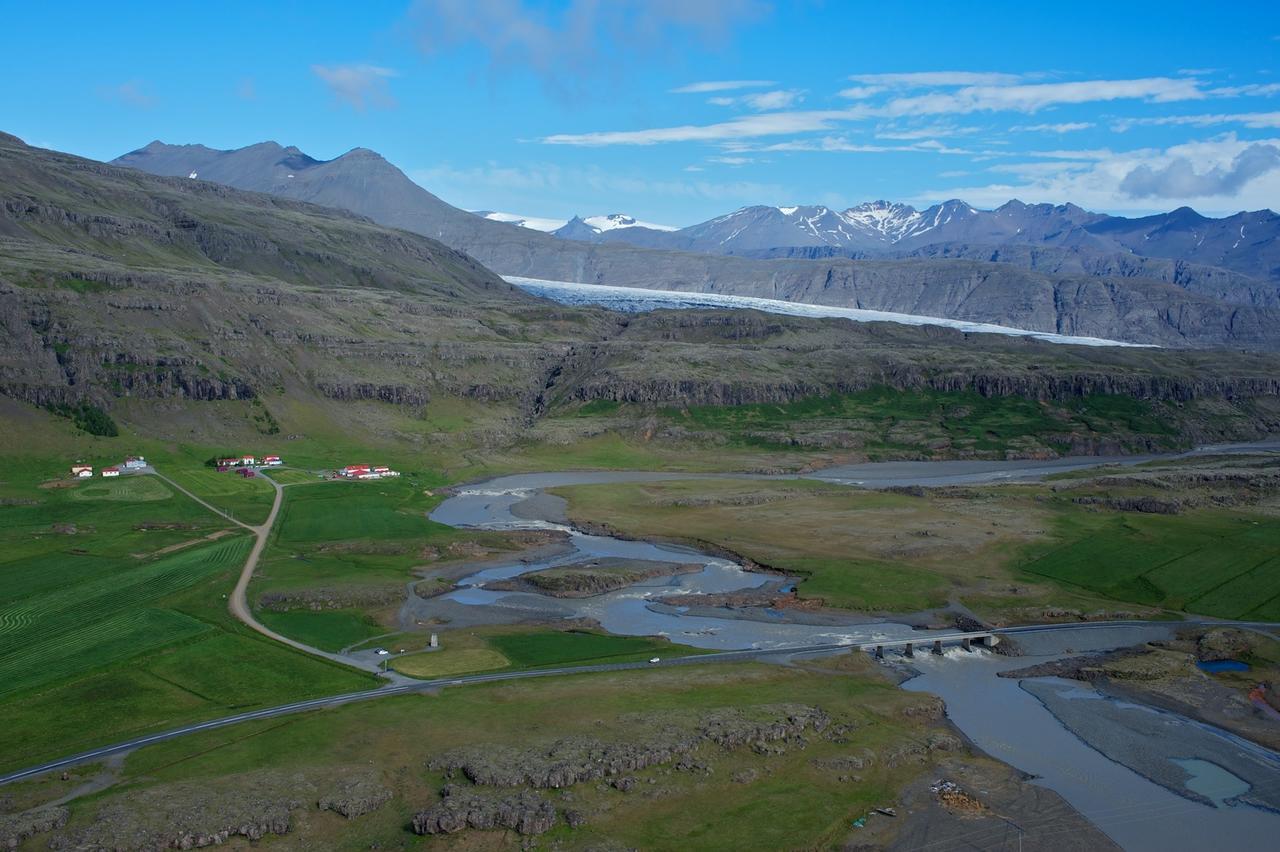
238	602
428	685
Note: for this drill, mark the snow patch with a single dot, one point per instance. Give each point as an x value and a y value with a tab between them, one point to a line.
639	299
531	222
788	211
614	221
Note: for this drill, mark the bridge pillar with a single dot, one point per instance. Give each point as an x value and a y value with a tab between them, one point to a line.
937	647
991	641
911	652
967	644
879	652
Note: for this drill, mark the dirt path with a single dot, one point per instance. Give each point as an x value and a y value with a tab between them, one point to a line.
238	602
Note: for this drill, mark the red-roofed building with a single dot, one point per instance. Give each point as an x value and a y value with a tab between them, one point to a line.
272	461
108	472
82	470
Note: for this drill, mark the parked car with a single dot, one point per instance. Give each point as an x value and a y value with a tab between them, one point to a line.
655	659
381	652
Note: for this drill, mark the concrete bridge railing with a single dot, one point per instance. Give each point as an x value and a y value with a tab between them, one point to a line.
964	640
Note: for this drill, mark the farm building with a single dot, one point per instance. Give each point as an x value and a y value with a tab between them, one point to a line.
82	470
364	471
272	461
223	463
108	472
248	460
134	463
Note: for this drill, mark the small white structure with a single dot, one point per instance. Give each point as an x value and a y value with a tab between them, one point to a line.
247	460
435	641
108	472
82	471
272	461
134	463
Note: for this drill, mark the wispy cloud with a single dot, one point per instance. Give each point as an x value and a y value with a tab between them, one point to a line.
858	93
1025	98
1033	97
762	101
842	145
1064	127
1248	90
1251	120
358	85
707	86
743	127
558	42
929	79
134	93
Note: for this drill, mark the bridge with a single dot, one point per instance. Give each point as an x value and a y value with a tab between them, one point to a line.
985	638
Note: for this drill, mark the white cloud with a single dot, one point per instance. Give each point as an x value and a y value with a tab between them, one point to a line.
721	86
762	101
1179	178
743	127
1252	120
858	93
1065	127
925	79
1026	98
132	93
1098	184
842	145
1033	97
358	85
1261	90
560	42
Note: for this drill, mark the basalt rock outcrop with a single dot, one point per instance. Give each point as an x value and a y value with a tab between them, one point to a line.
459	808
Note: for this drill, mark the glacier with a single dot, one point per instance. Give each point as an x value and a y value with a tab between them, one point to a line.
639	299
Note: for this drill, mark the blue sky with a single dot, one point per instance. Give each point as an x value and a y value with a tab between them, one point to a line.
679	110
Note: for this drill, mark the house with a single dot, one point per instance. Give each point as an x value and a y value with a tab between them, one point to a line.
248	460
383	471
82	471
227	463
272	461
246	472
108	472
134	463
355	471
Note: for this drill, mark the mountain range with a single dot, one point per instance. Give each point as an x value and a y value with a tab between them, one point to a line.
195	312
1177	279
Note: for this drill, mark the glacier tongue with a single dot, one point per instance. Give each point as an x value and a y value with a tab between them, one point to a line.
638	299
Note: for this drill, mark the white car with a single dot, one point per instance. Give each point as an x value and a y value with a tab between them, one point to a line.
655	659
381	652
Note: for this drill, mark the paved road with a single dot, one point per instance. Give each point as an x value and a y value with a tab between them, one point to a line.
427	685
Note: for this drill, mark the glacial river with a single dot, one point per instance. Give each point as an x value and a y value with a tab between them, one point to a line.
999	715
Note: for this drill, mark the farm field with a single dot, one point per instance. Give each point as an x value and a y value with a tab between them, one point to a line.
329	630
1214	562
248	500
113	617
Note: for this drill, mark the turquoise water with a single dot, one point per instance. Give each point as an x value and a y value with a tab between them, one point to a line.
1214	666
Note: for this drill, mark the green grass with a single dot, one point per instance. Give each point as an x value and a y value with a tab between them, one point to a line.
869	585
965	419
340	511
246	499
329	630
127	489
1214	562
579	647
65	631
430	664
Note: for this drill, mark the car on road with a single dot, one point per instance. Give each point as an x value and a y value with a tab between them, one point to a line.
655	659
